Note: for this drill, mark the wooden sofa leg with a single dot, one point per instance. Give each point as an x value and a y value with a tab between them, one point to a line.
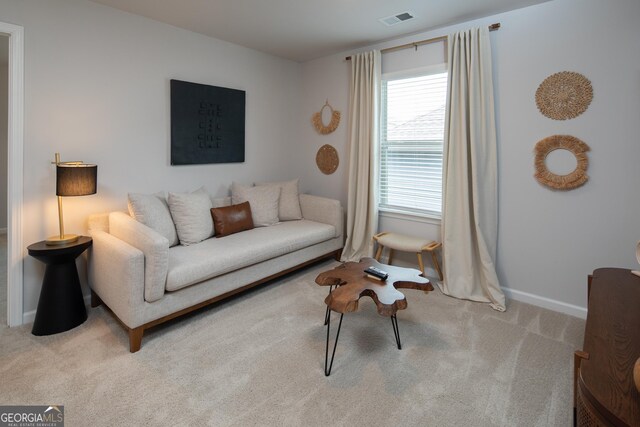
337	255
95	300
135	338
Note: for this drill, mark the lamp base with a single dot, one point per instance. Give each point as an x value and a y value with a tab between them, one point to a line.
57	240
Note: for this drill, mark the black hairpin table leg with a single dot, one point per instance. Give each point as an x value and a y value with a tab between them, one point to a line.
396	330
326	313
327	372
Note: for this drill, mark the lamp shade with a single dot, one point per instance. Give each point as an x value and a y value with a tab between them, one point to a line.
76	179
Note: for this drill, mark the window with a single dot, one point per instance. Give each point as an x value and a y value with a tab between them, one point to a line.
411	142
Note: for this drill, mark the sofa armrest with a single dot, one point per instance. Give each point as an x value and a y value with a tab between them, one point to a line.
324	210
153	245
116	274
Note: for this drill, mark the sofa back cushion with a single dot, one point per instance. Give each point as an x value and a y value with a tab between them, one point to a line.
220	202
289	205
263	200
232	219
191	214
152	210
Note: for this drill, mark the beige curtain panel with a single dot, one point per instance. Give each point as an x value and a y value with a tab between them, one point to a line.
470	176
362	204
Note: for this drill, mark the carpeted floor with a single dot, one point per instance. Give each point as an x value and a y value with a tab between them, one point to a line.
258	360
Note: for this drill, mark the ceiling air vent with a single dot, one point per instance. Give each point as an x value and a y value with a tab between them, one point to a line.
396	19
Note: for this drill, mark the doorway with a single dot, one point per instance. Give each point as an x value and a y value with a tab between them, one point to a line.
14	196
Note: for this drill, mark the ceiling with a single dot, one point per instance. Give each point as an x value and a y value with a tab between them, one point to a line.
301	30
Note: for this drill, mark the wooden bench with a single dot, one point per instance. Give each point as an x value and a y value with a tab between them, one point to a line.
404	243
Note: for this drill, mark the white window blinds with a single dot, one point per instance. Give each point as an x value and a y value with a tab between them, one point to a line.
411	142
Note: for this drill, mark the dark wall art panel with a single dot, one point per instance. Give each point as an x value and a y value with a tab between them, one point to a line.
207	124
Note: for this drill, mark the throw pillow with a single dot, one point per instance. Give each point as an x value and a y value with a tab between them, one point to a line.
152	210
191	214
263	200
232	219
289	208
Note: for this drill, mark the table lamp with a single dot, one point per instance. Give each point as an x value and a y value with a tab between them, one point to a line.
72	179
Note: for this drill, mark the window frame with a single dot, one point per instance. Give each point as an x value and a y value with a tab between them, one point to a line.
400	213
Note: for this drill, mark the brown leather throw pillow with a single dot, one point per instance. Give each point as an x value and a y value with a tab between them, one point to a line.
231	219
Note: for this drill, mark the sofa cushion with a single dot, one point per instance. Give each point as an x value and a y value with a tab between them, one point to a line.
152	210
191	213
213	257
289	205
264	202
220	202
232	219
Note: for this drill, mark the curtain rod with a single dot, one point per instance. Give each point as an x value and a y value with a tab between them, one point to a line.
492	27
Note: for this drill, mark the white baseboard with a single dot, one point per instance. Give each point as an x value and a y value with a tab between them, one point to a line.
30	316
537	300
573	310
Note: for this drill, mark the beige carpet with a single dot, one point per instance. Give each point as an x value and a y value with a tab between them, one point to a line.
258	360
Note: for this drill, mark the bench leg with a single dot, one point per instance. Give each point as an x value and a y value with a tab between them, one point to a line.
379	252
419	254
434	257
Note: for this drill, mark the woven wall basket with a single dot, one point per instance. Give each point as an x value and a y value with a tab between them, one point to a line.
319	126
561	142
564	95
327	159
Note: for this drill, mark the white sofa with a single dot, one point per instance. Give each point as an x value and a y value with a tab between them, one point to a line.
134	272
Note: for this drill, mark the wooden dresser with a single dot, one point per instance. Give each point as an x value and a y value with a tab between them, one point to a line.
604	390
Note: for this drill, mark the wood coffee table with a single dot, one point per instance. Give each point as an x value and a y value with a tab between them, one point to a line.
351	283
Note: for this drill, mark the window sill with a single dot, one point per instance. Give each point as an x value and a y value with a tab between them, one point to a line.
409	216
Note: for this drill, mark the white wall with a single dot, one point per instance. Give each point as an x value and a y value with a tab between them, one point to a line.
548	241
323	79
97	90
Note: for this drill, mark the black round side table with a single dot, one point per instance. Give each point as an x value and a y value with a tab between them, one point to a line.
61	305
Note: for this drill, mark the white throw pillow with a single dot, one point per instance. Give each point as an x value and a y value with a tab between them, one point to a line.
192	215
289	208
263	200
152	210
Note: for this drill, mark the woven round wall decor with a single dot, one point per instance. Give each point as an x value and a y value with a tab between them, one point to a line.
564	95
561	142
320	127
327	159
